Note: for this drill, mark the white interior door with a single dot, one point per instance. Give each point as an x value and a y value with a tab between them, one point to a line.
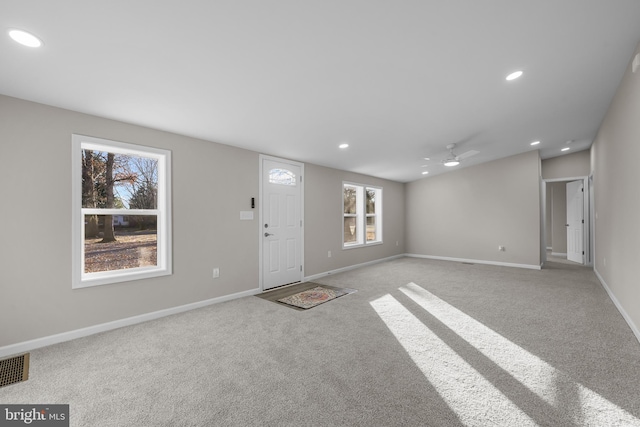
281	228
575	221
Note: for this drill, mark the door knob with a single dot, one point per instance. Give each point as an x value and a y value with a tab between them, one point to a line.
267	234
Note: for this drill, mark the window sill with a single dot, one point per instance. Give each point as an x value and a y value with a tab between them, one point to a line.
120	276
361	245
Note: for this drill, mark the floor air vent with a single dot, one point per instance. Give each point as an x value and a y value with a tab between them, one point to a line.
14	369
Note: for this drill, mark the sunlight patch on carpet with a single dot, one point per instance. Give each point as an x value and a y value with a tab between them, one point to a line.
585	408
468	394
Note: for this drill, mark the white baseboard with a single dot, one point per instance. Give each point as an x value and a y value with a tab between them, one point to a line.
79	333
351	267
549	248
559	254
477	261
626	317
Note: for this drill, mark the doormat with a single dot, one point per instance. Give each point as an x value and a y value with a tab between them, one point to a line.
313	297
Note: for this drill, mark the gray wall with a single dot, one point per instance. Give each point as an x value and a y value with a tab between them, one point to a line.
323	212
616	152
212	183
468	213
567	165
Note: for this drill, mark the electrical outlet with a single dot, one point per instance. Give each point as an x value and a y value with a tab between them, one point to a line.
329	254
216	273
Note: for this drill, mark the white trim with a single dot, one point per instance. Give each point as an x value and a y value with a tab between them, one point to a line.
477	261
116	211
588	232
164	266
627	318
570	178
261	158
350	267
21	347
592	225
361	215
361	245
560	254
549	248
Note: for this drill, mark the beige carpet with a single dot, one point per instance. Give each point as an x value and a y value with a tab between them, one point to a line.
561	259
422	343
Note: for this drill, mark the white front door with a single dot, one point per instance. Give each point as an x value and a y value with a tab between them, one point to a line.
575	221
281	228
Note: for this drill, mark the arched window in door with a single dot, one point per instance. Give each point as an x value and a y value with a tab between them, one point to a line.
282	177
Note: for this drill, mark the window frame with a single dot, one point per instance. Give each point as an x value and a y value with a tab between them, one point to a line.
361	215
163	266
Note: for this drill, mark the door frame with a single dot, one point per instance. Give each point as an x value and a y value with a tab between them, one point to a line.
577	188
587	230
261	159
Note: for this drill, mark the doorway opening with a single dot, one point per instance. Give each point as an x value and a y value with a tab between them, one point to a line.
568	223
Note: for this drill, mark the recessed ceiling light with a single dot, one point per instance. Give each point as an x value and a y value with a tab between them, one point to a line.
514	75
425	172
451	163
24	38
426	158
343	146
565	149
535	143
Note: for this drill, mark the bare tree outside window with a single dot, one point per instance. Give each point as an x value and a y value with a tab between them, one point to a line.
119	181
362	215
121	195
370	204
350	212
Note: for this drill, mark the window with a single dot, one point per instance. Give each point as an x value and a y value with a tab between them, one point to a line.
282	177
362	215
121	212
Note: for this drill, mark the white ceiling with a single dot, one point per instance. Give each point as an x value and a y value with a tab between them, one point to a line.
397	80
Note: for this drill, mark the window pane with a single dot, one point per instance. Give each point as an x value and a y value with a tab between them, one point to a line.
282	177
350	230
371	228
349	200
120	181
130	242
371	201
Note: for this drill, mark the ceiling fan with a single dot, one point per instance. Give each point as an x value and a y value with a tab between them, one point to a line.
453	159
